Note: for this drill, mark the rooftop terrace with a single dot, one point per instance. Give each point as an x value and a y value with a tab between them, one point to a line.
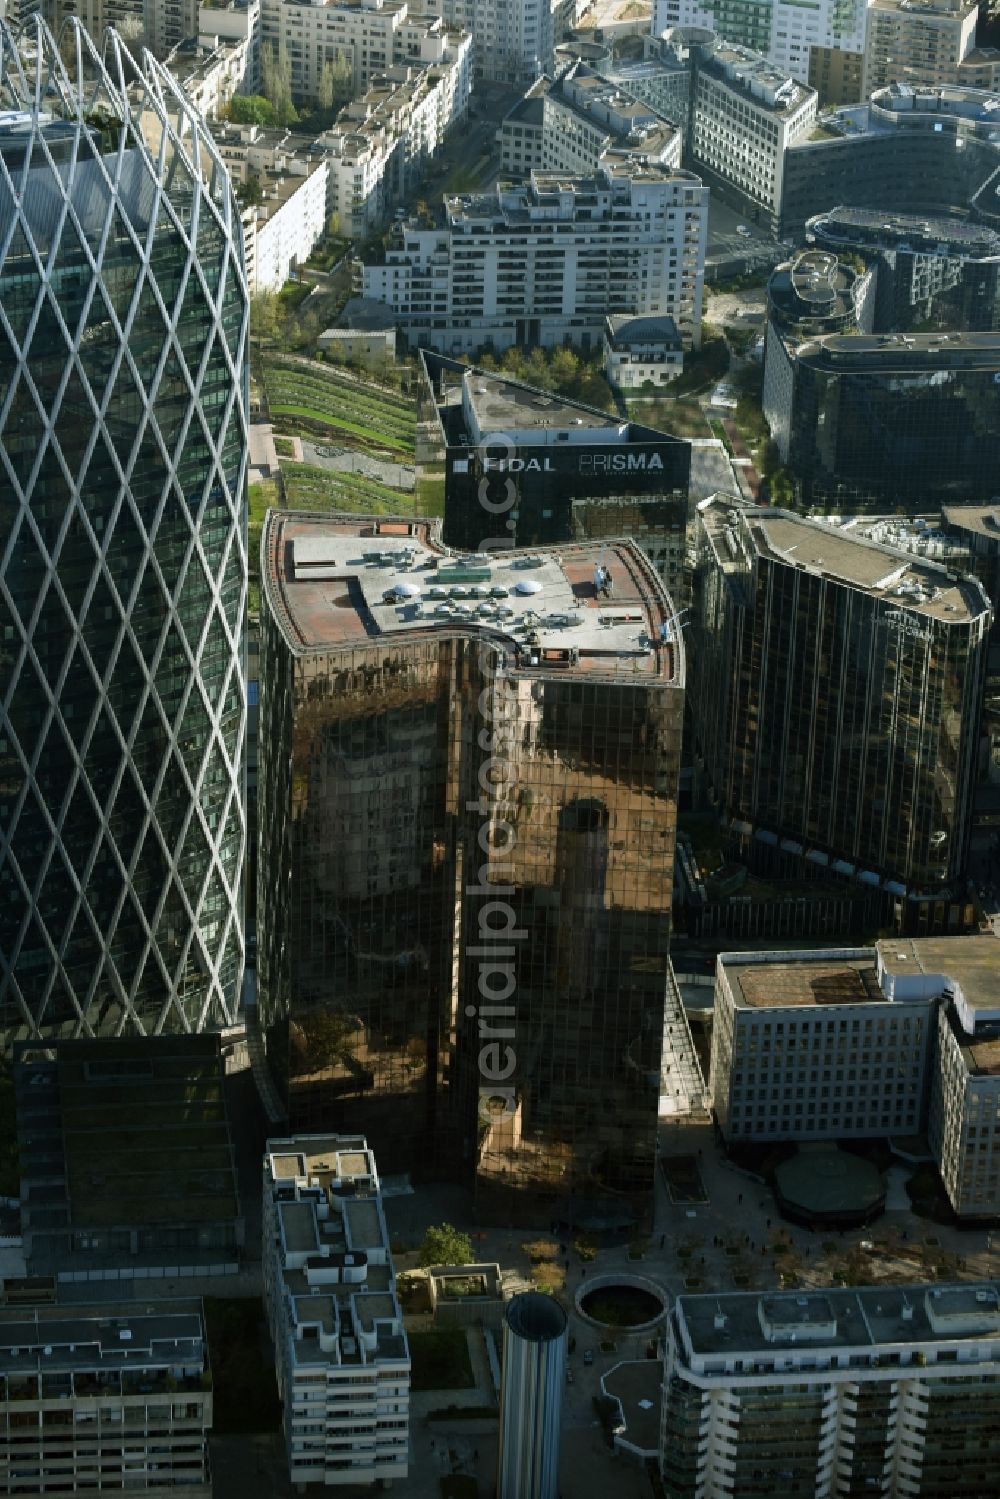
334	1251
336	582
497	405
104	1337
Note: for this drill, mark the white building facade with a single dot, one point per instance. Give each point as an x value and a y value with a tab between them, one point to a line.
512	39
543	263
343	1362
785	32
898	1039
745	113
370	35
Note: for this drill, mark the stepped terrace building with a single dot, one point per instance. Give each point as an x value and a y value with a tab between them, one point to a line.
343	1362
543	262
451	746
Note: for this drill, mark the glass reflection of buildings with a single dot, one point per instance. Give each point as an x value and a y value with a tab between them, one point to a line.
384	867
872	422
837	695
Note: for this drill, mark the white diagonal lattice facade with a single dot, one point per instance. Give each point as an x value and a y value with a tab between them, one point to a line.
123	576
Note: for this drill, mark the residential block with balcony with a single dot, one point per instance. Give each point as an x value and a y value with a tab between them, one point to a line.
343	1362
115	1396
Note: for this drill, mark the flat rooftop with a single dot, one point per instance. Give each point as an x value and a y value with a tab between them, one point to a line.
982	520
767	986
888	352
930	232
972	961
328	1206
498	405
782	1322
337	582
766	86
118	1335
637	1386
908	583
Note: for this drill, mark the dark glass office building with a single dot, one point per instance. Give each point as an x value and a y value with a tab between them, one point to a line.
890	422
836	692
468	776
123	324
523	467
932	273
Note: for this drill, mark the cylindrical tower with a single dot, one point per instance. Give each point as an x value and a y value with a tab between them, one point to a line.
123	574
534	1364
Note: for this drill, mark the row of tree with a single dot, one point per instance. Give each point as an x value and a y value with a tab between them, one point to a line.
275	106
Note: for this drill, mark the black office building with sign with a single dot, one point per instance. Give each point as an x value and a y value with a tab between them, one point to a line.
523	467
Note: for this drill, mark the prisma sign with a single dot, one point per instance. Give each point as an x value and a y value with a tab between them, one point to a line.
589	463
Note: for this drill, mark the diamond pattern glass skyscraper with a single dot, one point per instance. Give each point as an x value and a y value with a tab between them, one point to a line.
123	577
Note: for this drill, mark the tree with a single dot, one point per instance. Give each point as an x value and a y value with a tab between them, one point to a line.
538	371
334	82
445	1245
265	315
251	109
565	368
276	75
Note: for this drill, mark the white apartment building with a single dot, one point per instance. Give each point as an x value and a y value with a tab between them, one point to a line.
786	32
383	140
104	1397
222	60
363	170
287	225
372	35
865	1042
568	125
920	42
544	262
891	1390
167	23
641	351
745	113
512	40
799	31
343	1362
280	231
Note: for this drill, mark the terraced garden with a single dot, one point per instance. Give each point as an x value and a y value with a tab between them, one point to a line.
309	488
311	398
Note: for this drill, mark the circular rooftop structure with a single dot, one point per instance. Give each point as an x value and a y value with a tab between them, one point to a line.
538	1318
823	1186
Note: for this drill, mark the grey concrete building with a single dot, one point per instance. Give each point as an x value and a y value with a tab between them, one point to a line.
106	1397
895	1040
890	1390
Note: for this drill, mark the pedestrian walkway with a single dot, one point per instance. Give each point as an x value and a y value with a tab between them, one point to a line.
682	1086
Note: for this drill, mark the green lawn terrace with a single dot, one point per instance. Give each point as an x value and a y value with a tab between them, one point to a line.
126	1155
307	398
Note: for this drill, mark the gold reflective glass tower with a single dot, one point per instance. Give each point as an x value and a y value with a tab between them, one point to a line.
468	777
